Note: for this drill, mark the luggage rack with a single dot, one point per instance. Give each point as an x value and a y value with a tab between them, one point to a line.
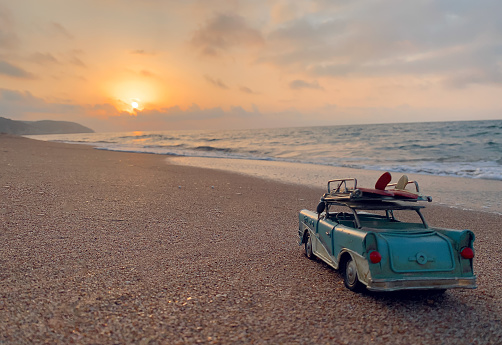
344	191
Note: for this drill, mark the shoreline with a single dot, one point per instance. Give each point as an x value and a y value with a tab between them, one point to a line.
468	194
456	192
113	247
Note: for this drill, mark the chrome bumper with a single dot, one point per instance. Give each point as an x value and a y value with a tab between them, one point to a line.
421	284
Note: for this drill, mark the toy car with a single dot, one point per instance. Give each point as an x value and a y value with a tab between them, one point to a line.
375	250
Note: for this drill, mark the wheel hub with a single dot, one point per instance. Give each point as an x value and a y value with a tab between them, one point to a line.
351	272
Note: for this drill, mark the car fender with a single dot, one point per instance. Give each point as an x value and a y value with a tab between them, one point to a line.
318	247
307	222
363	270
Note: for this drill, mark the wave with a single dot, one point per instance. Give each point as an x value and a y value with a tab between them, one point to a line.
211	148
494	173
209	140
147	136
492	143
494	127
490	170
164	146
463	149
416	147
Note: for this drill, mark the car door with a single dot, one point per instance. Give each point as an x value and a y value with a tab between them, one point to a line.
324	231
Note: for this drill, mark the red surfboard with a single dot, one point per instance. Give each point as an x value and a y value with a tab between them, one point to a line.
376	192
404	194
383	181
380	185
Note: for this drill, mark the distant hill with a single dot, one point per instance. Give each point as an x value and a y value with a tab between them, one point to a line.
41	127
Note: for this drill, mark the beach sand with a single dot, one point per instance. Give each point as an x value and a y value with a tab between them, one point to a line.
119	248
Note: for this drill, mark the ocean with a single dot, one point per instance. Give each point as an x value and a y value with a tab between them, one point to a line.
468	149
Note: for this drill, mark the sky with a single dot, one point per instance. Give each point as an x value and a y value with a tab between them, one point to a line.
124	65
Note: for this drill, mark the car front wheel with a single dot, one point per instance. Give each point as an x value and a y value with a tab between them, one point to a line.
350	278
308	248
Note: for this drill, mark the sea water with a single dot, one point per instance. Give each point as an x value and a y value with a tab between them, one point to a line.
470	150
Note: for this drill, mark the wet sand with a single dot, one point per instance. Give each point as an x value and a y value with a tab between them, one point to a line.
457	192
119	248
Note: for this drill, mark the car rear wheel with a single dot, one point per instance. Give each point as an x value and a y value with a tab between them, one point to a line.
308	248
350	278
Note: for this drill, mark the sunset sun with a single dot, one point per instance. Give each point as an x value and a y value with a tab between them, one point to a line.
134	105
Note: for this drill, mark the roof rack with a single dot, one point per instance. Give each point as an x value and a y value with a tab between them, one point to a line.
345	191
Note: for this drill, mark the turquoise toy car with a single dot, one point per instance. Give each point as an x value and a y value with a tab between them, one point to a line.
370	236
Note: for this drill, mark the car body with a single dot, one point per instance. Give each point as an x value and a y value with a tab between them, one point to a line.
359	234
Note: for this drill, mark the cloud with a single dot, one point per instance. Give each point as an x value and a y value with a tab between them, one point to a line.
20	97
142	52
60	30
23	105
147	73
297	44
216	82
43	59
10	70
8	37
475	76
24	101
224	32
104	110
239	111
302	84
8	40
75	58
246	89
390	38
77	62
194	117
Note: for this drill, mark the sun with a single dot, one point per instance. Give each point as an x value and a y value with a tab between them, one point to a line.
134	105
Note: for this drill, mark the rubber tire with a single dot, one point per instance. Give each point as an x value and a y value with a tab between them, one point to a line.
438	292
308	248
350	278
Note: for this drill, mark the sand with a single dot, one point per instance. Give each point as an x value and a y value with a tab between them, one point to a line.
118	248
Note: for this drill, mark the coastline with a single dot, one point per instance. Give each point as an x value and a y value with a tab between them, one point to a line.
455	192
114	247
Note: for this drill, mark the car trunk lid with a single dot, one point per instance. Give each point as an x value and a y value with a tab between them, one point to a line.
420	251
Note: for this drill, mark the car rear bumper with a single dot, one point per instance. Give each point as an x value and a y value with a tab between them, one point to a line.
422	284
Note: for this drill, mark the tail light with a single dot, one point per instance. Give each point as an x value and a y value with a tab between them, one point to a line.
375	257
467	253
